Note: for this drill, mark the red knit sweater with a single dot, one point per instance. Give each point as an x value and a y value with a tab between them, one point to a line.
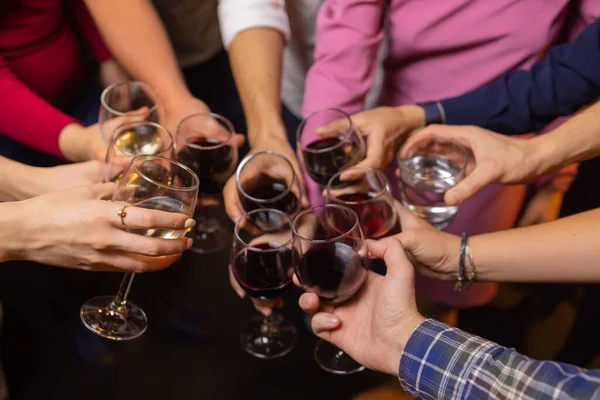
42	68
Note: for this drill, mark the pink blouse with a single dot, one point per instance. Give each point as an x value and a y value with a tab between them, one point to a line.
437	49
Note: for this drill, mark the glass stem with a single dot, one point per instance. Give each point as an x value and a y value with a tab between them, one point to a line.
121	297
270	325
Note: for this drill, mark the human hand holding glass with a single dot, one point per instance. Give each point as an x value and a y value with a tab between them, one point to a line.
151	182
330	260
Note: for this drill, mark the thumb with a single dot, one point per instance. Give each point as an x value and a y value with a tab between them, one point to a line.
471	184
394	256
239	140
333	128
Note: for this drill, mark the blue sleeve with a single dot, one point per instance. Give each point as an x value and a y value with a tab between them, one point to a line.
525	101
443	362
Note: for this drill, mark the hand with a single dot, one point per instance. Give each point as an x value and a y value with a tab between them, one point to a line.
497	158
78	143
77	229
385	129
543	207
111	72
264	306
48	180
434	253
374	326
278	144
177	107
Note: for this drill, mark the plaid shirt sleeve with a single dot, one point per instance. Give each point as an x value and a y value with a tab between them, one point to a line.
443	362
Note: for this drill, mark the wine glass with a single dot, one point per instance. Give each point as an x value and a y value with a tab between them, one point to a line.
132	139
261	262
267	180
206	144
433	166
128	98
367	192
324	156
149	182
330	259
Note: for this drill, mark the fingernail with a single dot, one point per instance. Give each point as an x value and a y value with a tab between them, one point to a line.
190	243
189	223
241	294
453	199
332	321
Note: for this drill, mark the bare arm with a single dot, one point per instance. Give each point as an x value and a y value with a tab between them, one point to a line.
136	36
256	60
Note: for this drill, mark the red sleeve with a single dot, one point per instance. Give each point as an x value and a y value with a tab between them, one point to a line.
26	117
88	30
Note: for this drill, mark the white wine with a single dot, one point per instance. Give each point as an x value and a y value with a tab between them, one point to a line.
142	140
162	203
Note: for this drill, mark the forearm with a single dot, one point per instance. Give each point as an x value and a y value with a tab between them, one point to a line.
256	62
137	38
444	362
564	250
17	181
10	226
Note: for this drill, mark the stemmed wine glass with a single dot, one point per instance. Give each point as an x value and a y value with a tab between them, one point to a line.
330	259
206	144
132	139
129	98
324	156
261	262
267	180
367	192
433	166
149	182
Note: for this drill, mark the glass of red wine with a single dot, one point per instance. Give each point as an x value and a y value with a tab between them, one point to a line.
337	149
267	180
330	259
261	262
367	192
206	145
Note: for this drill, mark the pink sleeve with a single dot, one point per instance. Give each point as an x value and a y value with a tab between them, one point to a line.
348	36
26	117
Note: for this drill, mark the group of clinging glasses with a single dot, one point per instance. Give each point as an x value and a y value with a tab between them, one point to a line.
380	327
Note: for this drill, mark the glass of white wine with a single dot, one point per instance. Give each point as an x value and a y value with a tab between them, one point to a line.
131	99
151	182
135	138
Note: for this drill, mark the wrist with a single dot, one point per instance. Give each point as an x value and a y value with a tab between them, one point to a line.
265	134
12	231
74	143
407	328
540	155
411	117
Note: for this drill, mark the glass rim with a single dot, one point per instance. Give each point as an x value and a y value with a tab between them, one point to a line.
145	122
216	116
462	149
250	157
344	135
378	194
236	231
128	113
164	185
333	239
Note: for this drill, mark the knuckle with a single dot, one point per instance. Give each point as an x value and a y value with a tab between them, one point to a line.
151	248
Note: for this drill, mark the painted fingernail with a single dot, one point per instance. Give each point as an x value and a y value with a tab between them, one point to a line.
189	223
332	321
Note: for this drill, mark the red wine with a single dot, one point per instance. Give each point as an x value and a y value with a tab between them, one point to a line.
376	216
263	274
266	187
322	166
334	271
213	166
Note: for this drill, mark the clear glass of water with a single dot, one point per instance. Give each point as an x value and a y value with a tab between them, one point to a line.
431	167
